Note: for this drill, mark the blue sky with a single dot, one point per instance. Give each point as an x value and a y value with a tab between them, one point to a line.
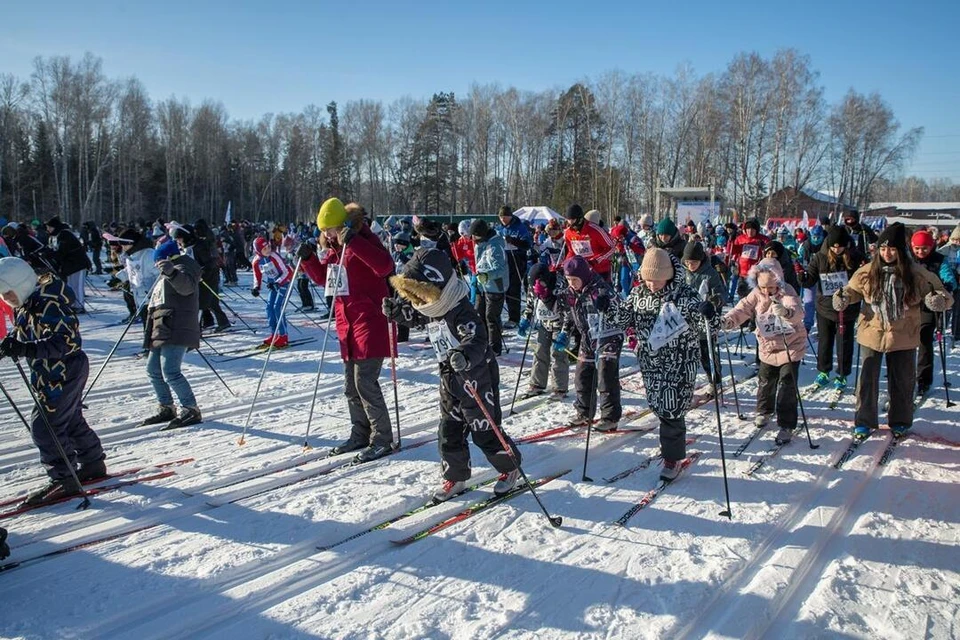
260	57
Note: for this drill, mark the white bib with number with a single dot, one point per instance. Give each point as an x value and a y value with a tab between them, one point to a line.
337	286
751	251
269	270
545	314
770	325
830	283
442	340
581	248
669	325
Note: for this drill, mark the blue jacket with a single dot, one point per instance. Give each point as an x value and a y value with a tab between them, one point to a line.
492	268
516	234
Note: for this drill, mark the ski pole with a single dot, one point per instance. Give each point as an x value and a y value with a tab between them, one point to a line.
113	350
733	380
943	356
796	384
15	407
840	337
716	403
596	377
213	348
323	348
53	435
229	308
523	360
266	362
204	358
470	388
392	331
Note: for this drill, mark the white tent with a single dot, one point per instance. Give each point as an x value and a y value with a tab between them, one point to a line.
537	215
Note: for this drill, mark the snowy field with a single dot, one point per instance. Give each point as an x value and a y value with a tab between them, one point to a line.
254	541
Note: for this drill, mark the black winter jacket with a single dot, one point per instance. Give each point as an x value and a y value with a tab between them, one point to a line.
173	310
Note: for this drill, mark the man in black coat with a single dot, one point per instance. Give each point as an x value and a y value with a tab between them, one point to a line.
71	258
195	244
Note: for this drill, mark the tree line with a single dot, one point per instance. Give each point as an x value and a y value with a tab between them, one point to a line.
80	145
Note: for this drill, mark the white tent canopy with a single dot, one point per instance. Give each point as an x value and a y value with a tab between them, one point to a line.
537	215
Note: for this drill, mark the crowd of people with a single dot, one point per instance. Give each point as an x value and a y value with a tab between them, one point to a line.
585	291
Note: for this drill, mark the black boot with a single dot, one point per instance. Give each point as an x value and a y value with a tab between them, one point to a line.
164	414
55	491
96	470
4	549
374	452
350	445
188	416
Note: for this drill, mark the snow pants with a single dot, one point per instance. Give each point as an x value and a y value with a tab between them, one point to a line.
515	265
547	359
460	416
369	416
61	404
777	391
599	378
490	307
925	357
275	317
827	334
901	378
76	282
673	438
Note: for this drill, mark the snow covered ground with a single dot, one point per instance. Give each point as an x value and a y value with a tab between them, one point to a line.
223	548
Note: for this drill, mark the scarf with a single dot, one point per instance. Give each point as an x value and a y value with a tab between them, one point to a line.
889	304
455	290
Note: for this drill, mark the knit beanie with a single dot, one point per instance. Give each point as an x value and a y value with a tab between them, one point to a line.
18	276
666	228
166	250
955	235
816	235
694	251
838	236
923	238
776	246
479	228
752	223
656	265
646	220
574	212
895	236
577	267
593	216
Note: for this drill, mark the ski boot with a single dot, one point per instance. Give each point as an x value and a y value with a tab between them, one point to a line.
164	414
188	416
670	470
448	489
55	491
783	436
840	383
373	452
506	482
95	470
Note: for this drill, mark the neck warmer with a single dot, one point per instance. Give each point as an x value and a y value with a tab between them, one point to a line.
453	292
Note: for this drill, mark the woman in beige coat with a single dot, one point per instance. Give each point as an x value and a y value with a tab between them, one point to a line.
781	338
893	288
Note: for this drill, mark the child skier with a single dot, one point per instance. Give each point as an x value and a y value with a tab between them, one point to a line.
699	270
598	358
781	339
668	319
270	268
547	311
47	333
432	296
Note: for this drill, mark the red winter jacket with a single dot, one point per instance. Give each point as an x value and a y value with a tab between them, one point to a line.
748	251
361	325
463	250
593	244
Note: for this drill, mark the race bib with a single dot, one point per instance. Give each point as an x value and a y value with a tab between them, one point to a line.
269	270
337	282
442	339
770	325
581	248
751	251
668	326
830	283
545	314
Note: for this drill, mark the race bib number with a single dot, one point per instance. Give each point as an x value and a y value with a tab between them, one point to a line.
830	283
337	282
269	270
772	326
668	326
442	339
751	251
581	248
545	314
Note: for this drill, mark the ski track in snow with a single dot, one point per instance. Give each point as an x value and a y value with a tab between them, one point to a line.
224	549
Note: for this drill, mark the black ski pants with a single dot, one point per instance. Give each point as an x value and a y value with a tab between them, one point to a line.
516	264
777	391
460	416
599	379
827	334
490	308
925	354
901	378
673	438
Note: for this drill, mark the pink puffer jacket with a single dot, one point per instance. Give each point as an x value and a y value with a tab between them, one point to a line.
757	305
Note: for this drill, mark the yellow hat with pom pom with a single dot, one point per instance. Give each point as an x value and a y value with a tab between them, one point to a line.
332	214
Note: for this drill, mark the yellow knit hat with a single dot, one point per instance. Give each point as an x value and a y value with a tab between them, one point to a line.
332	214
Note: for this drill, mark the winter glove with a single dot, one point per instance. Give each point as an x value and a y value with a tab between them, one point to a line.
395	310
458	361
305	250
632	343
255	292
345	235
561	341
938	301
707	309
779	310
602	303
166	267
840	300
523	327
12	348
726	323
482	278
540	290
272	286
114	283
798	268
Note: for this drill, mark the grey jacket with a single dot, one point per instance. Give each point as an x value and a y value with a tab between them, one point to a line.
174	307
